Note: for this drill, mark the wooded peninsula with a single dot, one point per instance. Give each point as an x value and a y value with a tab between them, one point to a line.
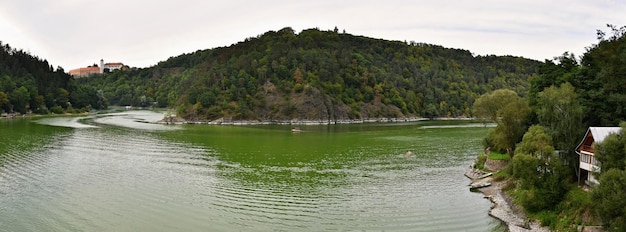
317	75
541	108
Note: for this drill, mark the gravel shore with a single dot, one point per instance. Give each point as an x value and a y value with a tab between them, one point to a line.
505	210
503	207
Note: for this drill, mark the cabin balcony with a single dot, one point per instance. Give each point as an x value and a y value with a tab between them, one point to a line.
589	162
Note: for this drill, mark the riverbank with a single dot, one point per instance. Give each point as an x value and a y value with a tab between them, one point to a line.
504	209
224	121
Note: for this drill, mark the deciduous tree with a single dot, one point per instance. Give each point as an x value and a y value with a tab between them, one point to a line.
560	111
19	99
540	171
535	142
509	111
490	105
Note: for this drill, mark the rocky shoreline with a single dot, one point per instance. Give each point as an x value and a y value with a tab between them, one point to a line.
173	119
503	207
223	121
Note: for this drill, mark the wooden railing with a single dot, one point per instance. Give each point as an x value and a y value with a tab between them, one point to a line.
589	159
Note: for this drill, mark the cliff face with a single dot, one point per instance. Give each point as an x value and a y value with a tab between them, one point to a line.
311	105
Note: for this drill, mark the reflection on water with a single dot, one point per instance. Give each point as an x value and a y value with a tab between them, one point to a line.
72	122
141	120
129	175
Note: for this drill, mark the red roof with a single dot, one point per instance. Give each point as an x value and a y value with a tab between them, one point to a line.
85	69
115	64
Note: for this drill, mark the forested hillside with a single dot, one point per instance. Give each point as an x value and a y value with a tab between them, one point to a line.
29	84
317	75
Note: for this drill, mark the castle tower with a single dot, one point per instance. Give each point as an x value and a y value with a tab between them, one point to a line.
101	66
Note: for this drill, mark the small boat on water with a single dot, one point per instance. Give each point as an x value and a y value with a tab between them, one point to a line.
484	176
478	185
295	130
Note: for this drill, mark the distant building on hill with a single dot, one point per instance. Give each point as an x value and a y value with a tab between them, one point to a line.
83	72
108	67
96	70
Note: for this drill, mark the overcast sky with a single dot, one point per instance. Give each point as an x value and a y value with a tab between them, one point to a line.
78	33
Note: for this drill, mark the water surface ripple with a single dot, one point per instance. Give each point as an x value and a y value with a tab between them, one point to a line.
116	178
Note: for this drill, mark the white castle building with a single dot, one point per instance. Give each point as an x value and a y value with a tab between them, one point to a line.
108	67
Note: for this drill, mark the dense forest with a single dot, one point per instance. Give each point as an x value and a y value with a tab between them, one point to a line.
29	84
317	75
541	131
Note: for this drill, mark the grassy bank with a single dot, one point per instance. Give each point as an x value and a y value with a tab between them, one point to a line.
480	162
498	156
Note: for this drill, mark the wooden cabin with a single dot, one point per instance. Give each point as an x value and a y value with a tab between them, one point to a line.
588	164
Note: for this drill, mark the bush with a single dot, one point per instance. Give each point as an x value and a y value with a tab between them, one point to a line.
578	198
548	218
488	140
525	169
480	161
505	173
551	190
530	201
57	110
298	88
545	194
610	200
41	110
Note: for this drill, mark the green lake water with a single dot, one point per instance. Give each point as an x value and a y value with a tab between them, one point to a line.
117	173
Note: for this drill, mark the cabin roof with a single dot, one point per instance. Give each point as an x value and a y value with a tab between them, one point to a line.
598	134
